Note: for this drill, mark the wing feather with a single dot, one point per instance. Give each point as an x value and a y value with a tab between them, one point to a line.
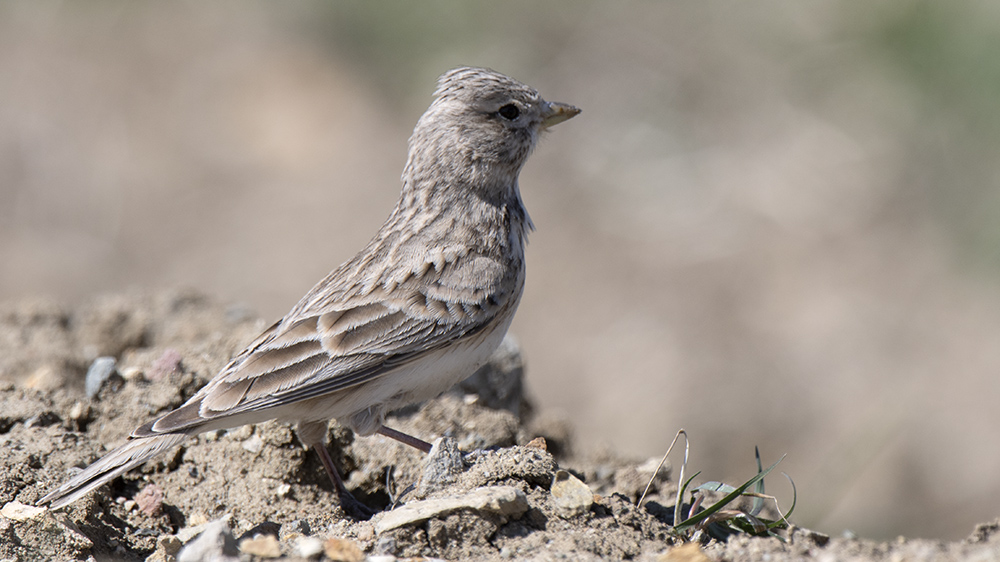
348	342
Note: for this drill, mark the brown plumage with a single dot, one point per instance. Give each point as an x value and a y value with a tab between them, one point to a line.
417	310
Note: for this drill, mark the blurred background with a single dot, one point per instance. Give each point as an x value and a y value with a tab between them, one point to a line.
774	224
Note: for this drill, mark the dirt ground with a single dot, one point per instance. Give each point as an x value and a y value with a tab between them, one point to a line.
489	491
773	226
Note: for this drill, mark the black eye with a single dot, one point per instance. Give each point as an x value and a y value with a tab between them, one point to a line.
509	112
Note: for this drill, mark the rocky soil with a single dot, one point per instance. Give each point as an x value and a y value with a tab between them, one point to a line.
503	482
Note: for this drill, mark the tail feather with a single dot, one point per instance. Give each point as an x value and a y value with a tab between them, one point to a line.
110	466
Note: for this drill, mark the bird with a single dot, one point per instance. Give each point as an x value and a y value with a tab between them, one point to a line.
420	308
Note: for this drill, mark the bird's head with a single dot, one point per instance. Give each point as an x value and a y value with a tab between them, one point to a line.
479	131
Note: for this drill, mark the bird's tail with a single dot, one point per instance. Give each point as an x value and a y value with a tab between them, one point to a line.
111	465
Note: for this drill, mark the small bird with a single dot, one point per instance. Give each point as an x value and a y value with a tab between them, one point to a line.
420	308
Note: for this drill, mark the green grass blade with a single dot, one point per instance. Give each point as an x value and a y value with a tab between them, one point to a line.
729	498
758	502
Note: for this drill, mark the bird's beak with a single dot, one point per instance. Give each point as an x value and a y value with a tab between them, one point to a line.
555	113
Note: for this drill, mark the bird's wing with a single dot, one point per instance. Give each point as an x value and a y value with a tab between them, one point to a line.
341	344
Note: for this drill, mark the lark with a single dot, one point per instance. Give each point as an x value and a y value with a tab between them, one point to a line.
420	308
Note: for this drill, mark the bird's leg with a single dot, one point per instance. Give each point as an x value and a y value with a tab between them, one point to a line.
313	434
348	502
331	471
405	439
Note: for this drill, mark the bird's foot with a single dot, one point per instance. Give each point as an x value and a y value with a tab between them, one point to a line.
353	507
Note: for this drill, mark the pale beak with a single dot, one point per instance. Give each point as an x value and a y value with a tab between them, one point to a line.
554	113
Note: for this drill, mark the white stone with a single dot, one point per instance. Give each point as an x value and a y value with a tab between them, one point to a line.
504	500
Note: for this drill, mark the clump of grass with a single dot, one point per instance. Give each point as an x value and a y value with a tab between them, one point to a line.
724	514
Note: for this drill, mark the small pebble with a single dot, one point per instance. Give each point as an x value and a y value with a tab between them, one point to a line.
571	496
442	466
263	546
343	550
166	364
254	444
79	411
132	373
99	372
169	544
309	547
18	511
538	443
150	500
215	542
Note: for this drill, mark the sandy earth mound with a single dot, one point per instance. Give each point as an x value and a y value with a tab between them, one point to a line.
501	483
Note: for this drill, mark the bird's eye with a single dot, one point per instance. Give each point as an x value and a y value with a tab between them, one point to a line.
509	112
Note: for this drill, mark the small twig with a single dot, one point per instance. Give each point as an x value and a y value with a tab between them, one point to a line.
663	460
